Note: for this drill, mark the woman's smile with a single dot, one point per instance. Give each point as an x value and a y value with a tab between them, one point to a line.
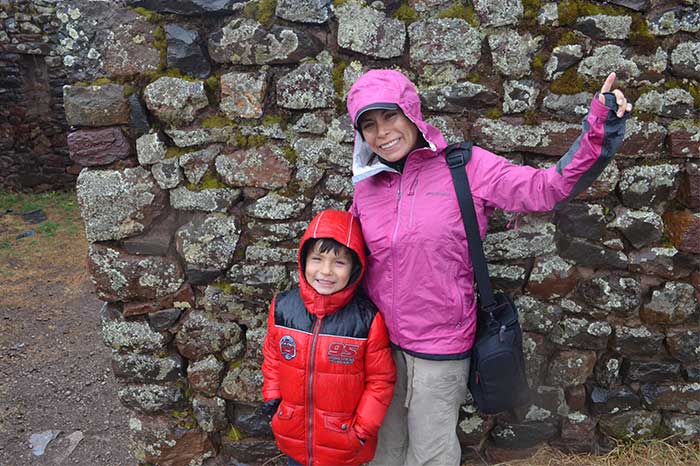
389	133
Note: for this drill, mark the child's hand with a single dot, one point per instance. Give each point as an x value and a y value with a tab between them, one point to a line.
269	407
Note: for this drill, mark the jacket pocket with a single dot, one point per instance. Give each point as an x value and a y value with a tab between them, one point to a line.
288	421
339	434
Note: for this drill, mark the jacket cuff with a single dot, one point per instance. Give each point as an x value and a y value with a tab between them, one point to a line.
600	109
361	433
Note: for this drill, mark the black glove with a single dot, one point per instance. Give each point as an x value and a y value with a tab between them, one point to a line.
269	407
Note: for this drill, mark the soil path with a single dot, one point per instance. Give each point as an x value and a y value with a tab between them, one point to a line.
55	371
56	376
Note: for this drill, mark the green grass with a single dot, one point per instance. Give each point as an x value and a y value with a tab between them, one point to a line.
20	202
48	228
63	220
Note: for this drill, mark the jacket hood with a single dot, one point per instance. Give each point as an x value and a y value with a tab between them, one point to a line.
345	229
377	87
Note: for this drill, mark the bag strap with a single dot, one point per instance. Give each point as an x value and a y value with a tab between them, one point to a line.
457	156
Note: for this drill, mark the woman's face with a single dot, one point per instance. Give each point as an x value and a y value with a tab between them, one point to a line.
389	133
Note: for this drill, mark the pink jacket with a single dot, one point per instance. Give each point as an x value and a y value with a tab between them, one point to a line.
418	271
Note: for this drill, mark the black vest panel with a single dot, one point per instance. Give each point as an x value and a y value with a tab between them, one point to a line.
354	320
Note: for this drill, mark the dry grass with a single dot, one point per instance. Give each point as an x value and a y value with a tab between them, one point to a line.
664	452
53	255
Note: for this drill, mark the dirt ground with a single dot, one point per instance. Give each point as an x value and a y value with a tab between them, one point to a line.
54	369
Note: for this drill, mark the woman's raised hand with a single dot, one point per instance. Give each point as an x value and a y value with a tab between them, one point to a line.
622	104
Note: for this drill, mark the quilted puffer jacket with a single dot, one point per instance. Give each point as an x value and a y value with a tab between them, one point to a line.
418	271
327	357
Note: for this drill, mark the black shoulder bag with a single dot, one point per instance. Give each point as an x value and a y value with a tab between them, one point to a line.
497	378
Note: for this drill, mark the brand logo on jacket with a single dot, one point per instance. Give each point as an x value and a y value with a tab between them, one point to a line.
342	353
288	347
437	193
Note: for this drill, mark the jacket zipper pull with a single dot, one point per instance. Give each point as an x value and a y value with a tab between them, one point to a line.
501	333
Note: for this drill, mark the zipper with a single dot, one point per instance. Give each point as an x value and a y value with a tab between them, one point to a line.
310	404
412	193
395	262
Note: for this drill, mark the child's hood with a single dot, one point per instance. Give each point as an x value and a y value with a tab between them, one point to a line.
378	87
345	229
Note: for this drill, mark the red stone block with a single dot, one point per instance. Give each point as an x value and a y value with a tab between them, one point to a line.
184	295
91	147
689	192
576	398
683	228
684	143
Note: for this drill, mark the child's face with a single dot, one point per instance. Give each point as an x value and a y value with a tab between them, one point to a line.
327	272
389	133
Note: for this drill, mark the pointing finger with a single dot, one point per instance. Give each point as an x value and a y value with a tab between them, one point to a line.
608	84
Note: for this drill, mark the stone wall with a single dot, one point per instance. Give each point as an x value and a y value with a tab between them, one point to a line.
211	132
33	150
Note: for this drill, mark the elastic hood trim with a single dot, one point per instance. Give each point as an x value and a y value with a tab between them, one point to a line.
377	87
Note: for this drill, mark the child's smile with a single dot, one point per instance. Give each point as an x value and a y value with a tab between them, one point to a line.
327	272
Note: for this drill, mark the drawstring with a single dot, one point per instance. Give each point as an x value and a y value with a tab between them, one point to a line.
514	220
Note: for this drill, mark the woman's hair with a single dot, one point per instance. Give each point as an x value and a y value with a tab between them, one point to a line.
327	245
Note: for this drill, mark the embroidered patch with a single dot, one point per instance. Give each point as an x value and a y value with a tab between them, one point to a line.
342	353
288	347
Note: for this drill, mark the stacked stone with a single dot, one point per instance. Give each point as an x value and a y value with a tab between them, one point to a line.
33	152
199	182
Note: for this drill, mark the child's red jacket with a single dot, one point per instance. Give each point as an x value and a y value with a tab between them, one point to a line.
328	359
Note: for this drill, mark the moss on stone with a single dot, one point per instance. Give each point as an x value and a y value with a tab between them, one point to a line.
208	181
339	78
640	35
262	11
292	190
339	3
160	42
184	418
174	152
256	140
461	11
150	15
531	117
694	90
247	142
474	77
274	120
226	287
101	82
128	90
531	9
569	11
212	84
539	60
290	154
170	73
570	82
406	13
218	120
494	113
266	12
233	434
568	38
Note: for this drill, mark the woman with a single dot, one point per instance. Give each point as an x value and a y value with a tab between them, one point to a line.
416	270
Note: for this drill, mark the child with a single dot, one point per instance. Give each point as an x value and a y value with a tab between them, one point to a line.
328	370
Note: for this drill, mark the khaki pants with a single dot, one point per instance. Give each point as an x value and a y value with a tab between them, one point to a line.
420	427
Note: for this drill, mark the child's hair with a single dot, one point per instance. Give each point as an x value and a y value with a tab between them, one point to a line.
327	245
